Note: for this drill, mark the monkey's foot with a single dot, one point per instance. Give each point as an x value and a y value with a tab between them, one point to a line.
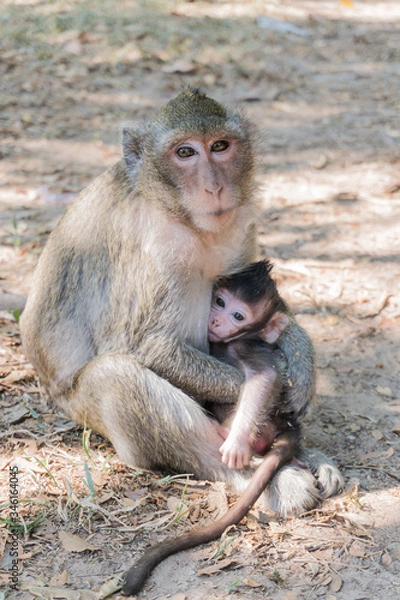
329	480
302	485
293	490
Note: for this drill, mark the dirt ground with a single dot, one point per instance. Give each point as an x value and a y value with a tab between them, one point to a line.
321	78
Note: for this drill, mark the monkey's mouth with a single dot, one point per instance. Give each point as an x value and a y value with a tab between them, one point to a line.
212	337
220	211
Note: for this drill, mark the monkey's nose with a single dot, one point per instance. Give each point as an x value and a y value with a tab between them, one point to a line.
215	190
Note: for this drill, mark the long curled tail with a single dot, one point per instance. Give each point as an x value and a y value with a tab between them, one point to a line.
281	453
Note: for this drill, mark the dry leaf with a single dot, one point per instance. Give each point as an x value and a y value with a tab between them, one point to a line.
386	559
105	497
15	414
357	550
373	306
251	583
336	583
195	514
179	596
325	581
30	447
53	593
17	376
60	579
128	503
4	582
109	587
384	391
378	435
174	504
320	162
74	543
354	427
218	566
396	427
22	555
137	494
217	500
356	523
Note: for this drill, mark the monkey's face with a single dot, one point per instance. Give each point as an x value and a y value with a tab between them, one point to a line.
208	173
230	316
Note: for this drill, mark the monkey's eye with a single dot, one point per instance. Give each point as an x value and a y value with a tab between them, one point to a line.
219	146
185	152
238	316
219	302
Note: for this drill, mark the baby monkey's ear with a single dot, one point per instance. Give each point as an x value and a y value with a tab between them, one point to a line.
275	326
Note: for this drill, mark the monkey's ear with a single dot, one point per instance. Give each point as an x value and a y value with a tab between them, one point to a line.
277	323
132	144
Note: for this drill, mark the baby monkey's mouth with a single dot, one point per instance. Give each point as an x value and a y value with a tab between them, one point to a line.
213	337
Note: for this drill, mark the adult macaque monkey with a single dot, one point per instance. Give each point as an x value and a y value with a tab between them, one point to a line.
116	321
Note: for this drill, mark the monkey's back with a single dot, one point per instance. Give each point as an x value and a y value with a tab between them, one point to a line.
73	306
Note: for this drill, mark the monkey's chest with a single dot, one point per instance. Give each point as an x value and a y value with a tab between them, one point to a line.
193	311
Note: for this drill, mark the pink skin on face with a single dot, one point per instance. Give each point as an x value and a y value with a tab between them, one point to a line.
229	315
205	169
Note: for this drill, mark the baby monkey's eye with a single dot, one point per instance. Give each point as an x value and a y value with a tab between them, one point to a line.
219	302
238	316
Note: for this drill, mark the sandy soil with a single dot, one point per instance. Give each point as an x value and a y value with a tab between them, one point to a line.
322	81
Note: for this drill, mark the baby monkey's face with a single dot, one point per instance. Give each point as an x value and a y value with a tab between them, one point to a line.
229	316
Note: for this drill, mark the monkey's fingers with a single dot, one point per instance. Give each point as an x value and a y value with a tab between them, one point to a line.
236	456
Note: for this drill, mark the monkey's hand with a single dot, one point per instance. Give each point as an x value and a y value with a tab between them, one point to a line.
236	450
197	374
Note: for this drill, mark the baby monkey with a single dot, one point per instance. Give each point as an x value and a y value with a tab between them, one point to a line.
246	319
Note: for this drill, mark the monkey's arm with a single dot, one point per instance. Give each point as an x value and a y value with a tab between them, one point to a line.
256	400
298	350
197	374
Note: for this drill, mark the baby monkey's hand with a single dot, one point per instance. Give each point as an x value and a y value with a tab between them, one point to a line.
236	450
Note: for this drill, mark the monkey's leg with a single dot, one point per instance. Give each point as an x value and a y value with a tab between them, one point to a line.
150	422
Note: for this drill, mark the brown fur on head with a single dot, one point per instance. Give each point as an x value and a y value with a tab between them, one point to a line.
254	284
150	154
